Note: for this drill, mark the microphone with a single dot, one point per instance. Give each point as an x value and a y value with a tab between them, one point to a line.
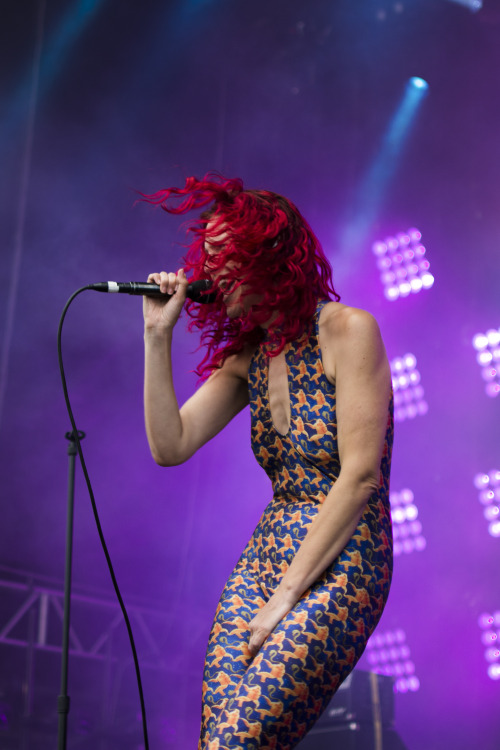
196	291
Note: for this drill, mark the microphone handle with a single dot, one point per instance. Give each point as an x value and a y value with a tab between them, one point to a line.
141	288
196	290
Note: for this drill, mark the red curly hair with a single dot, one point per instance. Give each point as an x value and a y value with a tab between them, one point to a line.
258	240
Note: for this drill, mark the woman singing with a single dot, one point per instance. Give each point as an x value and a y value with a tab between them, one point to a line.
312	582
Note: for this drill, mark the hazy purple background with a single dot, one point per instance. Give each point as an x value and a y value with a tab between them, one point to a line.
294	97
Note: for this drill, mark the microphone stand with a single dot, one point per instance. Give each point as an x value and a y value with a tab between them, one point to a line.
63	700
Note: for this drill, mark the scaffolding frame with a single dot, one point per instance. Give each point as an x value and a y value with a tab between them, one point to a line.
31	618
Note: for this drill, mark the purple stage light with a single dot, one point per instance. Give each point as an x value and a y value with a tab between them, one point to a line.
403	267
409	399
487	346
489	496
406	527
489	623
389	654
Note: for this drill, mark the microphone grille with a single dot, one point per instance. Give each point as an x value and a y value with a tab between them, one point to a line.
197	291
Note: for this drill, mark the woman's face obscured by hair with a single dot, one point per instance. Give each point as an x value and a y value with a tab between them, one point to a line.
234	296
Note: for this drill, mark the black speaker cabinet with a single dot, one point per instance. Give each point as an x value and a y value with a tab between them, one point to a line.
360	716
352	736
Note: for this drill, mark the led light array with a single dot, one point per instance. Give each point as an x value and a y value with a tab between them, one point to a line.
487	346
406	528
403	267
389	654
490	637
489	496
409	399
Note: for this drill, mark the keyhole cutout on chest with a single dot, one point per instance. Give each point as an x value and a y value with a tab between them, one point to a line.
279	396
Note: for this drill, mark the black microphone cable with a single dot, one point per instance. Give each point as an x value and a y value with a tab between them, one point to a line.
96	515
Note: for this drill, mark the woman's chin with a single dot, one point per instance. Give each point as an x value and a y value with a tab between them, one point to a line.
234	310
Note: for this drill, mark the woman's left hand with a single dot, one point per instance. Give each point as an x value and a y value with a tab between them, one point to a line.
266	620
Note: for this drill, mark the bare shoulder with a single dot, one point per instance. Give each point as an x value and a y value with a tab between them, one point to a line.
346	332
337	320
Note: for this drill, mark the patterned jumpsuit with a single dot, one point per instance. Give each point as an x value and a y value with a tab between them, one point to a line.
272	700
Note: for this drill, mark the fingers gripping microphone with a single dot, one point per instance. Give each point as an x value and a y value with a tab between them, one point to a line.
198	291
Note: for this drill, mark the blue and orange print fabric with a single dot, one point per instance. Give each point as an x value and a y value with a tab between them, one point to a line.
272	700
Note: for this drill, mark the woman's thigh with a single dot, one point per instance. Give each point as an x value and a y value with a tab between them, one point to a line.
228	658
276	698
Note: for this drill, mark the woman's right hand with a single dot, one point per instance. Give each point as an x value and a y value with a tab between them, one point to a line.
163	314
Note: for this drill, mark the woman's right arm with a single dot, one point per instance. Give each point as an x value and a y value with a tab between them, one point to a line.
175	434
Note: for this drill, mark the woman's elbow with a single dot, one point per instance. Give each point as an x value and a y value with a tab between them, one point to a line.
364	483
164	459
371	484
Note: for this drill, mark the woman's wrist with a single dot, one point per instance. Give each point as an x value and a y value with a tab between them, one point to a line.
286	596
157	333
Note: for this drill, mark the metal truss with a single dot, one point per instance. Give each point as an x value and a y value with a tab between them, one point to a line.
31	621
31	616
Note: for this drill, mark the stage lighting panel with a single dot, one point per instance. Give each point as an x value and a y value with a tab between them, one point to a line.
489	497
409	401
489	624
487	346
403	265
388	653
406	527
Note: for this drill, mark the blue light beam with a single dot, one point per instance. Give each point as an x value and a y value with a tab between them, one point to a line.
55	51
375	184
473	5
22	108
71	26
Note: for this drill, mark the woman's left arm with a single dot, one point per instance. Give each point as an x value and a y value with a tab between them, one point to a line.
354	356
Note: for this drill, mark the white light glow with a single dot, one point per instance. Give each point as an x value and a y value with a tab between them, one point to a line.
485	620
407	530
404	270
494	671
492	512
480	341
488	358
494	528
419	83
